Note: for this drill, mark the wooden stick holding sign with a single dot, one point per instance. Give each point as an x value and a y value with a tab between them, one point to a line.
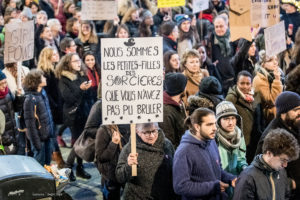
19	78
133	147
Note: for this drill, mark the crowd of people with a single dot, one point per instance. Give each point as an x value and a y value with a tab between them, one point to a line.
231	113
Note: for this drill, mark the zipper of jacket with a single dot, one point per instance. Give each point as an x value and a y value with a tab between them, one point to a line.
273	187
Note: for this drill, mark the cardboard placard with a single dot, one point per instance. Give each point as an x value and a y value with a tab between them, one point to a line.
275	39
19	42
239	17
200	5
132	80
99	9
170	3
265	13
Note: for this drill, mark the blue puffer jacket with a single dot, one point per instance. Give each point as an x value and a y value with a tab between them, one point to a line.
197	170
38	130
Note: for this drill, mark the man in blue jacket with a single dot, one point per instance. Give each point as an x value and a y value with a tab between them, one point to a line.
197	171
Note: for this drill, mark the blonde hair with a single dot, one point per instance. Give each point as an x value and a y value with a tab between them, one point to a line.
127	16
93	36
45	60
188	54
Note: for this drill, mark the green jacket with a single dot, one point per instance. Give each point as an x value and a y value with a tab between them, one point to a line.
233	161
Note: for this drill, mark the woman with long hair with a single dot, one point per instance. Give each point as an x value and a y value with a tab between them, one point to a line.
171	62
146	27
131	20
122	31
74	87
88	40
92	72
188	35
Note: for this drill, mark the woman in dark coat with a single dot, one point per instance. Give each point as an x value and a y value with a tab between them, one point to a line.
110	140
8	105
74	87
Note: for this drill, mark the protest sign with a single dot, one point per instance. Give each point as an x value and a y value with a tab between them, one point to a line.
19	41
99	9
275	39
239	17
132	80
199	5
170	3
265	12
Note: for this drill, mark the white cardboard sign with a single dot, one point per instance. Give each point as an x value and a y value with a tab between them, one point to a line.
132	80
19	41
275	39
99	9
200	5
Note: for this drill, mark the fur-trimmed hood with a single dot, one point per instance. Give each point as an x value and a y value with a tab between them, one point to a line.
71	75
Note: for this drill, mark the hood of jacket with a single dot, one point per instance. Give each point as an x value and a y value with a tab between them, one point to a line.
169	101
71	75
190	139
259	163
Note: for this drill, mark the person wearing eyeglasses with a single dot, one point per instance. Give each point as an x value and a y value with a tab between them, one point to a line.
266	177
74	87
230	140
154	160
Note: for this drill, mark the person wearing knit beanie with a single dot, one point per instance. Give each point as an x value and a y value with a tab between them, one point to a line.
175	83
287	101
182	18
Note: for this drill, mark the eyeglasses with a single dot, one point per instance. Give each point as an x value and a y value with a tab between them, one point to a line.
78	61
152	132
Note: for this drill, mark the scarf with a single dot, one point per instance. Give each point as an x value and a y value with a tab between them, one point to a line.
224	44
93	75
231	140
269	74
247	97
195	78
209	17
4	93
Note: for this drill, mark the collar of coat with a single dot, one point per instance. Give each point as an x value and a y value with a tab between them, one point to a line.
71	75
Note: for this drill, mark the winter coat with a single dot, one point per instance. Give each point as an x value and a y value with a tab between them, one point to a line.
133	27
82	48
107	153
75	99
9	105
293	166
184	45
255	182
268	93
39	128
94	119
197	170
224	65
245	110
173	122
292	18
169	44
233	161
241	60
154	171
54	96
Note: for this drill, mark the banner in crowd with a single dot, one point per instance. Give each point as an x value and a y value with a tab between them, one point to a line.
239	16
200	5
170	3
132	80
98	9
19	41
265	12
275	39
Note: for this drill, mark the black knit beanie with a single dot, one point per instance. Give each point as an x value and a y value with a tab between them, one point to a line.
210	85
286	101
175	83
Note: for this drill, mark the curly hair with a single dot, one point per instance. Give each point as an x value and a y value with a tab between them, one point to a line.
279	141
33	79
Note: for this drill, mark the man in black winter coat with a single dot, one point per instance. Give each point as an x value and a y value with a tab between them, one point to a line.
266	178
288	118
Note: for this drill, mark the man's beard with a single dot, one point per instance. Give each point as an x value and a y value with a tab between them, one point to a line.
294	123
